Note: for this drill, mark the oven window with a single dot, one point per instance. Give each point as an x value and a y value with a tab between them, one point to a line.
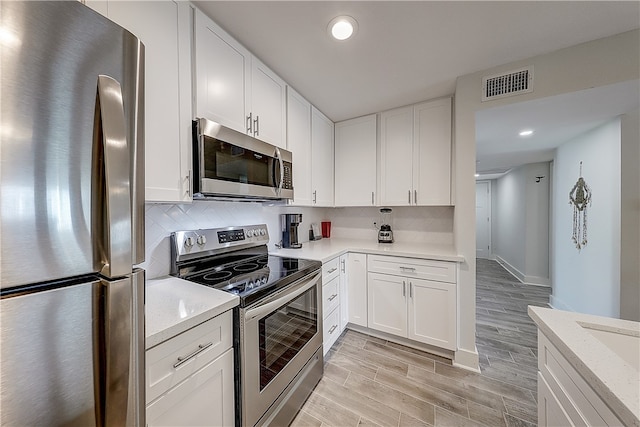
285	332
232	163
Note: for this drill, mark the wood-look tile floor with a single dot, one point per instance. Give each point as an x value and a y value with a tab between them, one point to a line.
369	381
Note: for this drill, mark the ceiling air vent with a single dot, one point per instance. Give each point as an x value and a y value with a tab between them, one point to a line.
509	84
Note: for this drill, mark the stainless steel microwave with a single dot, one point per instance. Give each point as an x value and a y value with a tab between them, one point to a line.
230	164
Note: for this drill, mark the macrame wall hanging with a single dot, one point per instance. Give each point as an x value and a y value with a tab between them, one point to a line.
580	197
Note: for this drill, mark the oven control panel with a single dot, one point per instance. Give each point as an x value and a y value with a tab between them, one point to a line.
213	240
227	236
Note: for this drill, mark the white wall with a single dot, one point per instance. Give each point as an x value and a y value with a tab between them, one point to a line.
601	62
521	222
163	219
588	280
410	224
630	217
509	220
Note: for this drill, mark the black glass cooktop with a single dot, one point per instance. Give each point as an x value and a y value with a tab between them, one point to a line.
250	275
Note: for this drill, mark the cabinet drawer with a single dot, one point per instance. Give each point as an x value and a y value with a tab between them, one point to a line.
330	296
330	270
331	330
441	271
212	338
205	398
577	398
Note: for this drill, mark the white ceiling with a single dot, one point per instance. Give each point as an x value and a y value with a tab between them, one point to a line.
554	120
410	51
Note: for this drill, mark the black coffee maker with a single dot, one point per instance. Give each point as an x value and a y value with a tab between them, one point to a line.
290	224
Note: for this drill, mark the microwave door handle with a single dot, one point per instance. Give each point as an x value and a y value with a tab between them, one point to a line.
281	181
111	201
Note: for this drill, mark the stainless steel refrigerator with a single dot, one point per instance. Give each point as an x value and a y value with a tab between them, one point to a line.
71	218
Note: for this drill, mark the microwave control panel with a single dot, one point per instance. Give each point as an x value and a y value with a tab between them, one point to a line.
288	176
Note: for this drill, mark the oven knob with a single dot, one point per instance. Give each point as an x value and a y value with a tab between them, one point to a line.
249	233
201	240
263	231
188	242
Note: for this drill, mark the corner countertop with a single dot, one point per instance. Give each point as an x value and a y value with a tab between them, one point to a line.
613	379
173	305
326	249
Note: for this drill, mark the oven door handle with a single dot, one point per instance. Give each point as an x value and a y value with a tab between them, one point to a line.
282	298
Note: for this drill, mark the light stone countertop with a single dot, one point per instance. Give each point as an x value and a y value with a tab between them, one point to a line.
613	379
173	305
326	249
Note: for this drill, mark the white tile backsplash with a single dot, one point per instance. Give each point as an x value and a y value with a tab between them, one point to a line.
410	224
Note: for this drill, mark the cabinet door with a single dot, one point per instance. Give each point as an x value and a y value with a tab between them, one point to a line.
330	330
322	158
396	153
344	298
356	162
387	303
206	398
432	153
432	313
550	411
356	293
163	27
222	66
268	105
299	143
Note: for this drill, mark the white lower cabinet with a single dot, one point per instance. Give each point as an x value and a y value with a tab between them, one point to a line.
331	297
190	377
353	282
413	302
387	299
203	399
550	412
565	398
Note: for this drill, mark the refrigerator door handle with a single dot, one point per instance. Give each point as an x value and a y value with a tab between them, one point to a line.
118	319
111	182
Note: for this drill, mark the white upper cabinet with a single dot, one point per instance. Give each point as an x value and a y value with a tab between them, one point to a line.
415	154
164	28
268	105
432	152
355	162
396	152
222	67
299	143
234	88
322	159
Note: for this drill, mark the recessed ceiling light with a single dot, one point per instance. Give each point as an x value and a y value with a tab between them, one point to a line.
342	27
526	132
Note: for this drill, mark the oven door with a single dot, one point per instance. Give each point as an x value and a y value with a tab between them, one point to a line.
278	337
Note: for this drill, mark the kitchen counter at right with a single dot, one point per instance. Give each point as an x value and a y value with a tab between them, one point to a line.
604	352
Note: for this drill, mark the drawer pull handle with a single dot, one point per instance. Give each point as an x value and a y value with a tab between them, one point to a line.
184	359
333	328
332	297
407	268
332	270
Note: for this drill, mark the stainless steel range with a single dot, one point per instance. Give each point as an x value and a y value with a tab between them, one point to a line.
278	324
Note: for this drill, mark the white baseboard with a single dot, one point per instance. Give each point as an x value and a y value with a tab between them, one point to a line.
511	269
522	278
466	359
537	281
554	302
